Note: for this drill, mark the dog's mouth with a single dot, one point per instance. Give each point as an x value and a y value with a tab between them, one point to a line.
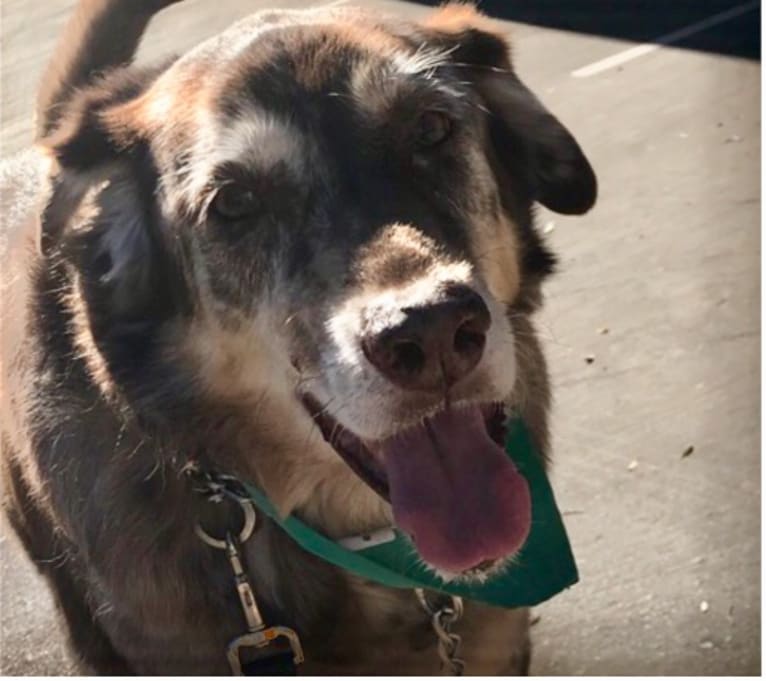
452	487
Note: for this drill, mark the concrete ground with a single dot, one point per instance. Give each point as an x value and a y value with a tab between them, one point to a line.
659	286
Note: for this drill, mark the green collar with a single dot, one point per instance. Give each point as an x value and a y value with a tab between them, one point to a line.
544	567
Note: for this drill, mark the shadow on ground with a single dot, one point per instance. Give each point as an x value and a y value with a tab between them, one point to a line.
641	20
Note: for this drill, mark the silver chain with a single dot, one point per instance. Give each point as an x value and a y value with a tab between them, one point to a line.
444	615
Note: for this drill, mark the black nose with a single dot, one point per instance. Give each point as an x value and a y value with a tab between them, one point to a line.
436	345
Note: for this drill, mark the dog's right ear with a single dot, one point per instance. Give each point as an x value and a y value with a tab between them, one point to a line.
103	212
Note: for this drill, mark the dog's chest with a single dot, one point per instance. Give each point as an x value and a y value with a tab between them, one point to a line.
385	631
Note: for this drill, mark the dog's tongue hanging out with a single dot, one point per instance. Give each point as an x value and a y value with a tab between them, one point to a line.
456	492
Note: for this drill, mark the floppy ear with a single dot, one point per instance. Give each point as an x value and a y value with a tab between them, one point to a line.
557	173
121	255
102	215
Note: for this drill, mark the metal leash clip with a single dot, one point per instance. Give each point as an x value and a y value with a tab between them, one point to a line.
259	636
445	612
268	654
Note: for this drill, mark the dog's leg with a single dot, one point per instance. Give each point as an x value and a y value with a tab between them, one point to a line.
521	647
87	639
520	662
54	561
100	35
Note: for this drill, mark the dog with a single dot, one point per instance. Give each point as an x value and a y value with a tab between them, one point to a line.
302	254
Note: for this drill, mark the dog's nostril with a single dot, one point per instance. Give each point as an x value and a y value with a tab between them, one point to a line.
468	339
409	357
399	359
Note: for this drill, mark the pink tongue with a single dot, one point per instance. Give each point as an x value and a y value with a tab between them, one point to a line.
456	492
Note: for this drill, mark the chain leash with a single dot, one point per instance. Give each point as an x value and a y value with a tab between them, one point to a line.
445	613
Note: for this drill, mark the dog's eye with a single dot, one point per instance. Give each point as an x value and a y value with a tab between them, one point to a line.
234	202
433	128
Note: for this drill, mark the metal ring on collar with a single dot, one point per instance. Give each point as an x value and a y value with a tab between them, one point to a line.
247	526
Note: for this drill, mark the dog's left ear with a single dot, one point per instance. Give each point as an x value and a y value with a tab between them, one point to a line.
557	174
103	210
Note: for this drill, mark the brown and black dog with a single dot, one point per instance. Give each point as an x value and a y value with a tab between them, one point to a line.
303	254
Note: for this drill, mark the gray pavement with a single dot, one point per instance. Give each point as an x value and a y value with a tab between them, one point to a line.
660	284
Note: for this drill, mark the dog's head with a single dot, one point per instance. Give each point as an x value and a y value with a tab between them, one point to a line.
321	222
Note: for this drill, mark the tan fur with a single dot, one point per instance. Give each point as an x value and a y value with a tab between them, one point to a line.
83	339
456	17
316	66
496	249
